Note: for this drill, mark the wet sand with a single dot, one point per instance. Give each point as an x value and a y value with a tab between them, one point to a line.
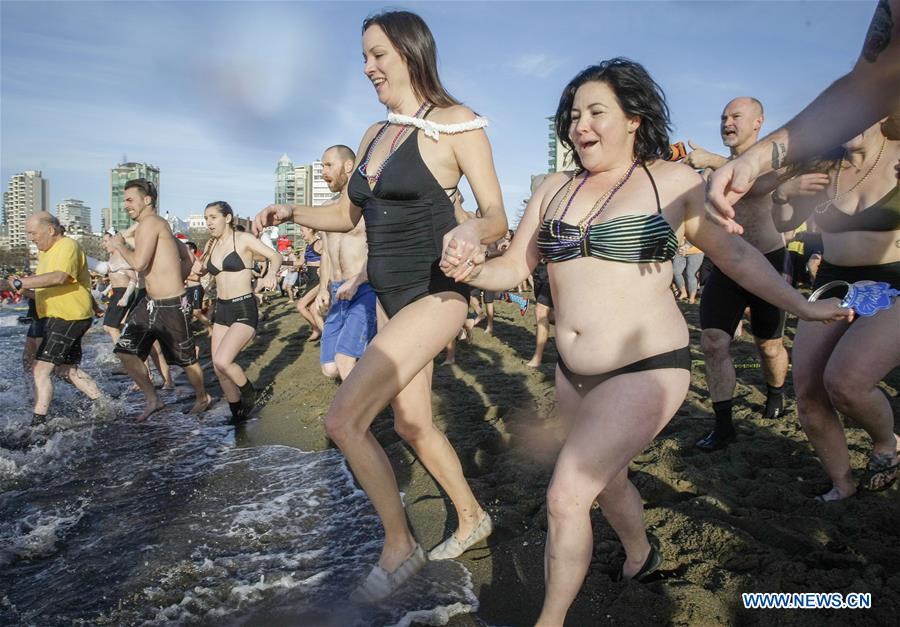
733	521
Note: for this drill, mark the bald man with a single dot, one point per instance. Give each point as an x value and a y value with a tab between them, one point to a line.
345	295
62	293
724	301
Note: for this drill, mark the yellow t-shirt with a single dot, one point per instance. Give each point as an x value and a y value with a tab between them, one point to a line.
71	301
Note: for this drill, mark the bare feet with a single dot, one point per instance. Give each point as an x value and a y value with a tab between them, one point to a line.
152	408
533	363
201	405
315	335
168	385
448	362
489	329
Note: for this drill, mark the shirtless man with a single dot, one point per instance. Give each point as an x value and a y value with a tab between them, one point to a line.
163	312
345	294
724	301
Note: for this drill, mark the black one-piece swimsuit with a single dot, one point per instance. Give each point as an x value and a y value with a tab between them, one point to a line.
407	215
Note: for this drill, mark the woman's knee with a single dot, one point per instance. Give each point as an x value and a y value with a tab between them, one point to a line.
221	365
844	387
411	431
565	501
330	370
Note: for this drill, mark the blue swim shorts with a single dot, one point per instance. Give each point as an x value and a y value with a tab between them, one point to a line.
350	325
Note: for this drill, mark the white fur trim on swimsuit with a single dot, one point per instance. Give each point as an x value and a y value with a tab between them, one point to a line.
434	129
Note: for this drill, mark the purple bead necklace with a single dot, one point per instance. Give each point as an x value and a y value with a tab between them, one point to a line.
590	216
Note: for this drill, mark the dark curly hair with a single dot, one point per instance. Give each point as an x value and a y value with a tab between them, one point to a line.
639	96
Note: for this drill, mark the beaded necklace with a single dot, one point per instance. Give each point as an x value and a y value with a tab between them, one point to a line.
590	216
823	207
405	130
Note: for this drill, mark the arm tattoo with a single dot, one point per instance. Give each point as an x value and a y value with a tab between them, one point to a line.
778	152
879	36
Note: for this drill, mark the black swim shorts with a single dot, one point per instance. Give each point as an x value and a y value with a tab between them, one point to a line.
541	280
195	294
167	320
61	343
242	309
114	313
723	302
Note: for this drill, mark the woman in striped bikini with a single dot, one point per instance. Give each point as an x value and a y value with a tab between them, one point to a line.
624	365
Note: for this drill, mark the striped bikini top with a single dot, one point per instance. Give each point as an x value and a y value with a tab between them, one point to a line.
633	238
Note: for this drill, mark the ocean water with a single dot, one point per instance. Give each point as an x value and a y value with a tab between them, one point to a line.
104	521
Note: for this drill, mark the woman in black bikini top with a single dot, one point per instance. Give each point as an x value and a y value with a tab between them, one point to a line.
229	258
609	233
404	167
837	367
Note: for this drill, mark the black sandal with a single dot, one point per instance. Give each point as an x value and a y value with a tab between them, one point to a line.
651	564
880	473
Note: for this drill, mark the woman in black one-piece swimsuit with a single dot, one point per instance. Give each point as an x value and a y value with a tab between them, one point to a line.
402	185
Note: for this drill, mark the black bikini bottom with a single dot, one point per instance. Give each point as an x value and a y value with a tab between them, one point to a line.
584	383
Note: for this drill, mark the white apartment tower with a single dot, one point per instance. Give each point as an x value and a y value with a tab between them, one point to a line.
26	193
75	216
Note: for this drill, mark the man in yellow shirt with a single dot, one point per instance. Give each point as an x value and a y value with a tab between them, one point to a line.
62	292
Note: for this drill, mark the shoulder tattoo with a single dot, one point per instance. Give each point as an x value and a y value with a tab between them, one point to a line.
879	35
778	153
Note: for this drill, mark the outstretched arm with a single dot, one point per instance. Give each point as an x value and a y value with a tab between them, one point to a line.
854	102
337	217
746	265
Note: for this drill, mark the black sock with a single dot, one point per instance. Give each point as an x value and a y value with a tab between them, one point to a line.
38	419
248	396
774	401
237	410
722	410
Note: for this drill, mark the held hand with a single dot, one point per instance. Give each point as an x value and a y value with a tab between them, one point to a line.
827	310
346	291
804	185
725	187
460	246
273	215
266	282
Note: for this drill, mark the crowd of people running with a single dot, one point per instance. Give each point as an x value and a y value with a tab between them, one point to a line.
397	269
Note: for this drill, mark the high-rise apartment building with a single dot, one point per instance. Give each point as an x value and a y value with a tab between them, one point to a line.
26	193
320	192
284	191
75	216
303	184
118	176
559	157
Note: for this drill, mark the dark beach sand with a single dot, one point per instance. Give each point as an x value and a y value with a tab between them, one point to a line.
733	521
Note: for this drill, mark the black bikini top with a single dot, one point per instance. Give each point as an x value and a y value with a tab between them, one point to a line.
231	263
633	238
884	215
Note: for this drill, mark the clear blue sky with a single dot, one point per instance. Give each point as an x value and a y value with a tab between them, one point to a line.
214	92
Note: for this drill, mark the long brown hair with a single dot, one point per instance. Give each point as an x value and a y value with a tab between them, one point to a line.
412	38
